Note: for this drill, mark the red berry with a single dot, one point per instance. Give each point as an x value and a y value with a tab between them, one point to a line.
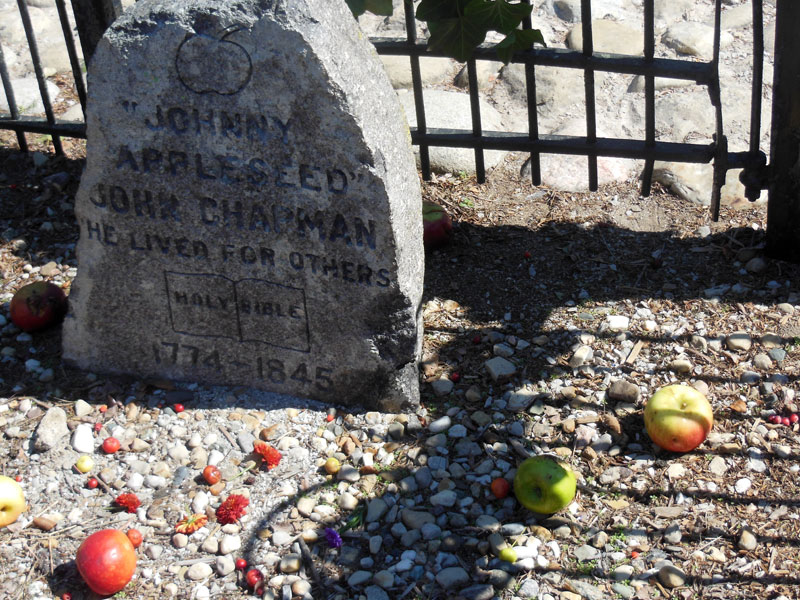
527	254
135	536
178	408
794	418
98	426
254	577
634	554
110	445
329	418
476	339
241	564
455	377
18	478
786	421
212	475
66	596
92	483
102	408
775	419
500	488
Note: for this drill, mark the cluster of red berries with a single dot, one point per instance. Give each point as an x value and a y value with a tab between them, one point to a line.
788	420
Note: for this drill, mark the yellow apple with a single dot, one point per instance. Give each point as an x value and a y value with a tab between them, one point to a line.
84	464
678	418
12	500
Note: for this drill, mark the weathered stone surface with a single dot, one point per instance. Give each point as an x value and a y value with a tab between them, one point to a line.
248	217
608	36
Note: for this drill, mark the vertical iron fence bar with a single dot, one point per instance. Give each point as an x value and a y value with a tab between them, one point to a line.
475	109
588	77
650	96
416	84
77	75
753	183
37	67
783	207
720	156
533	115
12	101
92	18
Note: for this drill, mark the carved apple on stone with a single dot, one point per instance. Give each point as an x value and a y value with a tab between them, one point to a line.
678	418
207	63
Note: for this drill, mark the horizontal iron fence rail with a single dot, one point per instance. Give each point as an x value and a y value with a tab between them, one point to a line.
699	72
94	15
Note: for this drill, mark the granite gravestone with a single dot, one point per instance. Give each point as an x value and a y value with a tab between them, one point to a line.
250	213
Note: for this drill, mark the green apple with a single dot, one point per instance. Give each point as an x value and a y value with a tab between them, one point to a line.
12	500
678	418
544	484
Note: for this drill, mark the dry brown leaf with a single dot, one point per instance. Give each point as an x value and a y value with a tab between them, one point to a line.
740	406
612	423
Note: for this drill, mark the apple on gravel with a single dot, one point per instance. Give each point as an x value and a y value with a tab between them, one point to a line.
544	484
437	228
38	306
12	500
678	418
107	561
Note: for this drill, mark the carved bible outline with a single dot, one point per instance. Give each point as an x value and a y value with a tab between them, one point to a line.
247	310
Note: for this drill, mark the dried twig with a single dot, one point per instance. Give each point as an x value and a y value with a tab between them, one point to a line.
306	553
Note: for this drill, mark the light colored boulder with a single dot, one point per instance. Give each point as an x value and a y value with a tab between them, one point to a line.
451	110
609	36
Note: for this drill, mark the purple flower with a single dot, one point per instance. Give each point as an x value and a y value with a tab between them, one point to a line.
333	538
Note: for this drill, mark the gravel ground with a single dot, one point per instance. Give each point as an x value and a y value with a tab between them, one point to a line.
592	300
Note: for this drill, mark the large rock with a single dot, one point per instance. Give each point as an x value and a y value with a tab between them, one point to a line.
432	70
451	110
52	430
694	182
571	173
250	210
694	39
555	86
28	97
609	36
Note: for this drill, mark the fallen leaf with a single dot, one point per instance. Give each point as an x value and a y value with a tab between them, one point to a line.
740	406
612	423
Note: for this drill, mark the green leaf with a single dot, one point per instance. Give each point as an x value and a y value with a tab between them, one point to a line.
438	10
357	7
499	15
456	37
383	8
519	39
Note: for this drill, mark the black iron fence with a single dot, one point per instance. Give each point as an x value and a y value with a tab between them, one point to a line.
783	231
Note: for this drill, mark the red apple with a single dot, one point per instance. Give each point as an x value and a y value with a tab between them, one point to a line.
437	228
106	560
678	418
38	306
212	474
111	445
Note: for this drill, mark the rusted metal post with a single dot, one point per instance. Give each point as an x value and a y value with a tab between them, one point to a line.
783	211
93	18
